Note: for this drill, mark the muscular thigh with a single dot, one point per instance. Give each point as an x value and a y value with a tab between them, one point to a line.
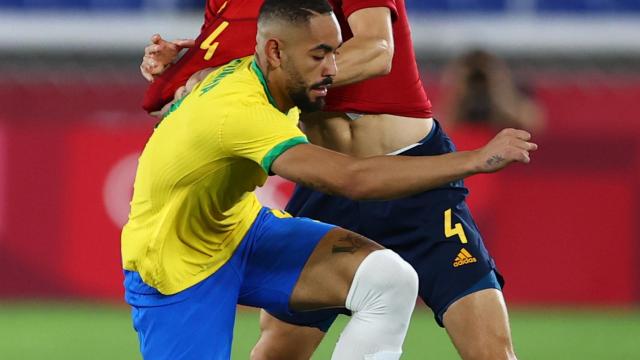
487	335
299	264
327	275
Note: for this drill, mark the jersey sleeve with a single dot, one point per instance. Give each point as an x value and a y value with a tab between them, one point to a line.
351	6
260	135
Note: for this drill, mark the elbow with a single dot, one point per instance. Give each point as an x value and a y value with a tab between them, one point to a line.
353	191
353	185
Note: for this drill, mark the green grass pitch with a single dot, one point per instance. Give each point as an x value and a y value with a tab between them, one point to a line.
97	331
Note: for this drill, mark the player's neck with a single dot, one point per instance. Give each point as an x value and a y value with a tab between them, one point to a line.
274	86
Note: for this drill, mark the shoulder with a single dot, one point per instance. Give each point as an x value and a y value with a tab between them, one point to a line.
256	111
237	71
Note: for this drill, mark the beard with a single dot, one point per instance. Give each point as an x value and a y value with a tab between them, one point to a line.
299	92
301	99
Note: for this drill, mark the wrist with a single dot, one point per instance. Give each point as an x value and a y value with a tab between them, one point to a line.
475	163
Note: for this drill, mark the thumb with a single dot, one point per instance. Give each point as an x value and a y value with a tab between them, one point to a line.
156	38
185	43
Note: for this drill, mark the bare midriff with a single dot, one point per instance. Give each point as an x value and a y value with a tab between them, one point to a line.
368	135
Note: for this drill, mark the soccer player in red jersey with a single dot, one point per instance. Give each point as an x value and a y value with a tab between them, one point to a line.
378	106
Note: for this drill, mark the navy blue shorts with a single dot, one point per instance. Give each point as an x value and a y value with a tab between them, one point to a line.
433	231
197	323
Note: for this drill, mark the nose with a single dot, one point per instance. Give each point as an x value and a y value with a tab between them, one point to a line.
331	67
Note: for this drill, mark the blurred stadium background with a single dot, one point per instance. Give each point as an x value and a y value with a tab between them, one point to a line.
564	230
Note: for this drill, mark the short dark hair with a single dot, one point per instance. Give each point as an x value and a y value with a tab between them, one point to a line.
293	11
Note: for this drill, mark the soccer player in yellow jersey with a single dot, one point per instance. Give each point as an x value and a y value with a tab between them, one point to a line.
198	242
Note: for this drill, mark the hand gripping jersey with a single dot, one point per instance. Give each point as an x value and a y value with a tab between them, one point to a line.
193	199
229	32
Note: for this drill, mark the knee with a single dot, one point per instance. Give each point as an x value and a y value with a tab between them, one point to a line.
502	348
395	275
499	348
268	346
493	354
256	354
281	349
391	282
282	341
264	350
407	279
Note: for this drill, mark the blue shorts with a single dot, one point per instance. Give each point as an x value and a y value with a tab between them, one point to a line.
448	262
197	323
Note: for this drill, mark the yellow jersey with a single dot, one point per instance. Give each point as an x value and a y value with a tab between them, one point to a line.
193	198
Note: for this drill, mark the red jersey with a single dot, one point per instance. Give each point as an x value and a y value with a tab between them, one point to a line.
401	91
229	32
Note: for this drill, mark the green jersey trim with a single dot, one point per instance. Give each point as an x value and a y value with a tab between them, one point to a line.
263	81
277	150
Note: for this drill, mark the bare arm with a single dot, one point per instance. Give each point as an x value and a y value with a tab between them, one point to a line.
370	51
387	177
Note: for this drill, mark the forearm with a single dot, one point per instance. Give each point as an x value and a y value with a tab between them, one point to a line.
387	177
361	58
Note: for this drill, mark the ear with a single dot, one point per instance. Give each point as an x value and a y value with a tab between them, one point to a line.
273	52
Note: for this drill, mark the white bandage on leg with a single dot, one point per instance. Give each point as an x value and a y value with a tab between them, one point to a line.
382	297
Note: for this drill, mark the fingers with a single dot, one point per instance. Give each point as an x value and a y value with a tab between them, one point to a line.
155	38
152	49
185	43
510	145
160	54
520	134
523	157
151	67
162	46
519	139
180	93
157	114
502	159
520	150
151	63
157	45
524	145
158	40
145	72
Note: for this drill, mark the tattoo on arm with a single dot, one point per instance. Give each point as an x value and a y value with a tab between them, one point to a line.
495	160
350	243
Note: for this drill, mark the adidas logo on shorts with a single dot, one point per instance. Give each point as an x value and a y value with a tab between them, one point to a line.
463	258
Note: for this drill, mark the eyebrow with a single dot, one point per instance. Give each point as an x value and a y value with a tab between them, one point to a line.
326	47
